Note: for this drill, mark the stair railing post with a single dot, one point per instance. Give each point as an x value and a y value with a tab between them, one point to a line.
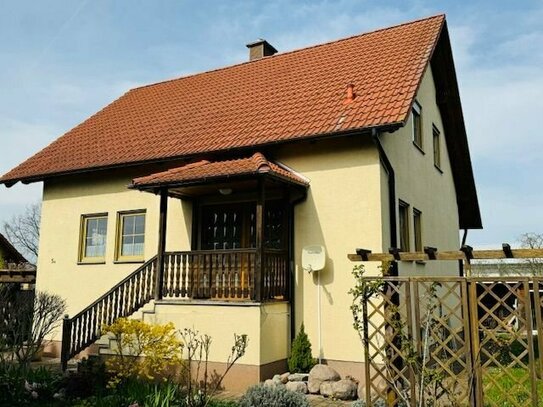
66	342
159	276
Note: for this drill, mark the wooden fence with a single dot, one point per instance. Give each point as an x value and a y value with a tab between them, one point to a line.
454	341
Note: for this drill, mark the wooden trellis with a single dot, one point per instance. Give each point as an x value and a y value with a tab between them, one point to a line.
481	342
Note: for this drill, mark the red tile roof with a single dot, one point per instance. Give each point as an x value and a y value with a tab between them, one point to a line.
288	96
206	171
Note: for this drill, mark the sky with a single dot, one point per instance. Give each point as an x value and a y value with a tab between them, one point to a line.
63	60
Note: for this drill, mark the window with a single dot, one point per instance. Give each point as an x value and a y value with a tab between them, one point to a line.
417	124
437	147
93	238
417	229
404	226
131	236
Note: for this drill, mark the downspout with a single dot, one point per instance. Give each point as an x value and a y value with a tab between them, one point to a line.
461	262
391	195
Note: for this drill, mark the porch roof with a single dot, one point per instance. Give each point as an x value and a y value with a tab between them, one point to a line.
204	171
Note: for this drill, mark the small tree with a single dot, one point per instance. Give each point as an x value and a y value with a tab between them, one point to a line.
533	241
27	321
301	359
200	392
23	231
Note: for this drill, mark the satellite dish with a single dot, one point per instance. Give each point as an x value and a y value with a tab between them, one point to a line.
313	258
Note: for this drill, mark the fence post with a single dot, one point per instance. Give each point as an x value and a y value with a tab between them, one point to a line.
66	342
473	307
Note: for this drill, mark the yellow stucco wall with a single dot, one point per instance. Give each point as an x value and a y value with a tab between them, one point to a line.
423	186
342	212
266	326
64	201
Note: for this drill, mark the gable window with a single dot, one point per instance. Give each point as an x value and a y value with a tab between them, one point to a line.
404	226
437	147
417	229
93	238
131	236
416	114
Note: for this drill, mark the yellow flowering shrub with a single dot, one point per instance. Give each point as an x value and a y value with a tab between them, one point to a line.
142	350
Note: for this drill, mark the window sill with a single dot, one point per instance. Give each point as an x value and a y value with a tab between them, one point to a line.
439	169
129	261
90	263
419	148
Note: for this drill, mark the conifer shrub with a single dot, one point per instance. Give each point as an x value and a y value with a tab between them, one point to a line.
301	359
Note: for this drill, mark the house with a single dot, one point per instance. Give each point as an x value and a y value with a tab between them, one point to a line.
9	254
194	197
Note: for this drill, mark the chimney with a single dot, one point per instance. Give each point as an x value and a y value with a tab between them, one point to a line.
260	49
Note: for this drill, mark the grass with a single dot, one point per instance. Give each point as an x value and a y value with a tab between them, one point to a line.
508	387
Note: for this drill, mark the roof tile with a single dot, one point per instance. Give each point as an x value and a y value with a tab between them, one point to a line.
279	98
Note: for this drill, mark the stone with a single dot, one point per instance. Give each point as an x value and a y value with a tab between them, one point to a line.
298	387
323	373
345	389
327	389
320	374
313	387
298	377
284	377
270	383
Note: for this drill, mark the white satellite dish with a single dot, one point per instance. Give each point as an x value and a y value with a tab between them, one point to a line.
313	258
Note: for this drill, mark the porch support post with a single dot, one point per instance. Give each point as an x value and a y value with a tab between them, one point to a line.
259	235
159	275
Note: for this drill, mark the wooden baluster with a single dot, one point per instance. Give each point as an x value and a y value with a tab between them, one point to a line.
183	275
193	260
215	275
238	276
177	275
172	274
150	277
137	291
205	277
200	276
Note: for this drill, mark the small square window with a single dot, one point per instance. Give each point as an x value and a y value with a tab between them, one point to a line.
404	226
437	147
417	229
416	114
131	236
93	238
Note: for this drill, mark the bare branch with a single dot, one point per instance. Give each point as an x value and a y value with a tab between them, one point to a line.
23	231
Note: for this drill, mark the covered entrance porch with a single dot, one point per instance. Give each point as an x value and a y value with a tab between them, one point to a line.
242	229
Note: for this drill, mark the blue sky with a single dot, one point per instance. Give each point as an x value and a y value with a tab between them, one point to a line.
61	61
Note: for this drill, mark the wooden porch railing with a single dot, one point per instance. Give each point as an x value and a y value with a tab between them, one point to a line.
224	274
202	274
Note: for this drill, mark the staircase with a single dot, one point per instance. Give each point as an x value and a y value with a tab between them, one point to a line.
122	300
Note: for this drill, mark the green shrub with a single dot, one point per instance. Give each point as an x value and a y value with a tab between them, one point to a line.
301	359
272	396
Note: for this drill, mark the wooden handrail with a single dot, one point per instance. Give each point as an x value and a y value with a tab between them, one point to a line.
123	299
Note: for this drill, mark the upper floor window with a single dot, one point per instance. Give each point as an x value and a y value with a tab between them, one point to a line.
404	226
417	229
416	114
93	238
437	147
131	236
